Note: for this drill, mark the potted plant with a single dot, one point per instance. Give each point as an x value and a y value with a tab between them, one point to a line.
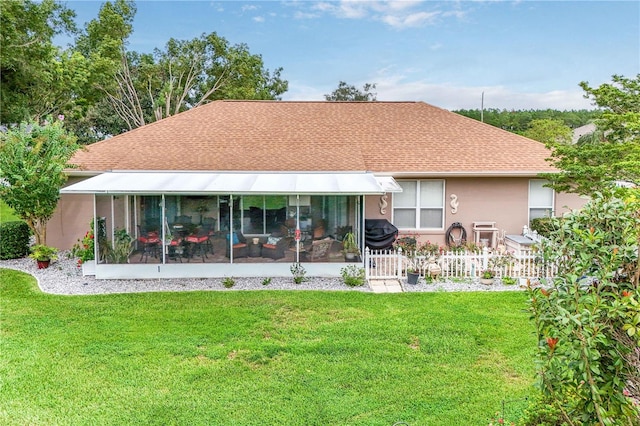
43	255
350	246
84	250
487	276
413	274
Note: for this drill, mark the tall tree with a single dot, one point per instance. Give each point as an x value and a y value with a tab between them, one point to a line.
187	74
549	131
345	92
101	44
35	80
588	167
33	158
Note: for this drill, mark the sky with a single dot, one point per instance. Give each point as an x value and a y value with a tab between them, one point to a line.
452	54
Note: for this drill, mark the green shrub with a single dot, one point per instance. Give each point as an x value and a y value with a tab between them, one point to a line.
14	239
83	249
298	272
588	318
353	276
544	225
266	281
228	282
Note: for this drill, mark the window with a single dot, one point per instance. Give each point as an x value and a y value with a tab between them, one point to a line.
420	205
540	199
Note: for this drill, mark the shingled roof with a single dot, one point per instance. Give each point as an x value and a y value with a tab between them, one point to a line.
398	138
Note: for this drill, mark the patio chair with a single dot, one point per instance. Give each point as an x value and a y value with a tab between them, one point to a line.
319	230
150	244
275	246
239	246
198	243
320	250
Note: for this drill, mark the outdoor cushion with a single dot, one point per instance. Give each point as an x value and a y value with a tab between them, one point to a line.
273	240
236	239
149	240
197	239
271	246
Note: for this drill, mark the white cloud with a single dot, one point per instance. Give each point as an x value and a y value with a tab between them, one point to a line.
246	8
410	20
450	96
258	18
305	15
398	14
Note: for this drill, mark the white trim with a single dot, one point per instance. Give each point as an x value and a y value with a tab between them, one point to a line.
205	183
417	207
530	206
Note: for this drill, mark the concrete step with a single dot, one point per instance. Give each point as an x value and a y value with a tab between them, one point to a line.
385	286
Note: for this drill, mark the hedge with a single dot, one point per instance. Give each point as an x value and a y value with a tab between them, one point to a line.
14	239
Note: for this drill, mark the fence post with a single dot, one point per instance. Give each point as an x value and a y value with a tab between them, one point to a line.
367	263
399	263
485	258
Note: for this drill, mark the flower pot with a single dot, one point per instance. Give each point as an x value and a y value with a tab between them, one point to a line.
43	264
486	281
412	277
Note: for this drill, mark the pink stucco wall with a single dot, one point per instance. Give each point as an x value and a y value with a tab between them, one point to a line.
500	200
71	219
504	201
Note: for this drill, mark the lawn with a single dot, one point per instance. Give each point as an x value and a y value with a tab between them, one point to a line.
260	358
6	213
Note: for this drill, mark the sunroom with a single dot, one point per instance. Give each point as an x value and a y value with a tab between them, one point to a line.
212	224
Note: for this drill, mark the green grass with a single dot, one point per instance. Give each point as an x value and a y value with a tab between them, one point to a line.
259	358
6	213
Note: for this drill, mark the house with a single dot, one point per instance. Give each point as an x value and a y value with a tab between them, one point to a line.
249	187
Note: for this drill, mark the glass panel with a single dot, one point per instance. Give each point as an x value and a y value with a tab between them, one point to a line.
253	214
404	218
536	213
114	242
430	218
224	213
539	196
275	212
150	212
406	198
431	193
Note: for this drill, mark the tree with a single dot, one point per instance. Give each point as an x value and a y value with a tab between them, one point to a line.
345	92
102	88
549	131
35	80
188	74
588	167
33	158
518	121
588	318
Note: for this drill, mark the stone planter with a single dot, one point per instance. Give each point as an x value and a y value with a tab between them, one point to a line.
486	281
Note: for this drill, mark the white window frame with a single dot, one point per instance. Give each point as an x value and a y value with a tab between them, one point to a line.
418	206
550	207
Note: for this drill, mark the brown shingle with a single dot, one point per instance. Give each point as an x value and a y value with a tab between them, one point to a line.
394	137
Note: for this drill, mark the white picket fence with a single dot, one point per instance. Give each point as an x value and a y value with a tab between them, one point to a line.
390	264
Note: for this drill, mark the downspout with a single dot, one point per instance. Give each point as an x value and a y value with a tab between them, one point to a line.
164	235
230	228
113	224
297	234
95	231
